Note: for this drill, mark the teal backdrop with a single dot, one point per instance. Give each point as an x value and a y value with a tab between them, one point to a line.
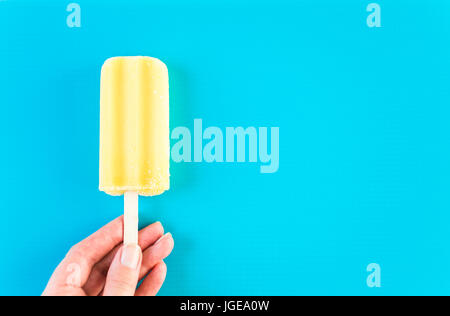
363	113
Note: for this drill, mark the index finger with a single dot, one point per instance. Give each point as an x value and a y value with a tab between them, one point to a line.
75	269
99	244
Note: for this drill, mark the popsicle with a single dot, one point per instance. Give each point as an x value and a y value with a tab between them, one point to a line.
134	133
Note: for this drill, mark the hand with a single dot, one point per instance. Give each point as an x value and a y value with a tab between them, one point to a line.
101	265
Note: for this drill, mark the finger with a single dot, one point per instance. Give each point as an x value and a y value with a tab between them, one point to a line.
99	244
154	281
123	275
96	282
76	267
156	253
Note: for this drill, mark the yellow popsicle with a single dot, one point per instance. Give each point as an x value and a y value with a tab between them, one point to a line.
134	126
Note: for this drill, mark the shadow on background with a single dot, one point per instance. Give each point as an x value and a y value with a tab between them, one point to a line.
180	114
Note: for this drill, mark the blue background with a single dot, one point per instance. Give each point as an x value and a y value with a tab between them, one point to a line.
364	141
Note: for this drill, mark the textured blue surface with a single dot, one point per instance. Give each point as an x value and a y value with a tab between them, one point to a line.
364	141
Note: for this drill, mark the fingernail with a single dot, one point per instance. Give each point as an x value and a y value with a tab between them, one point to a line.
131	254
160	239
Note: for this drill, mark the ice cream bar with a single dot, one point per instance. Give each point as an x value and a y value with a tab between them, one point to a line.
134	132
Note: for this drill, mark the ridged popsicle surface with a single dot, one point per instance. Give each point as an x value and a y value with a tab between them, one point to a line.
134	126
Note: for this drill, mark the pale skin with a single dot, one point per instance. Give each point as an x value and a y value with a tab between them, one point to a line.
101	265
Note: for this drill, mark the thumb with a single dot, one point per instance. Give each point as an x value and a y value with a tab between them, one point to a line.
123	275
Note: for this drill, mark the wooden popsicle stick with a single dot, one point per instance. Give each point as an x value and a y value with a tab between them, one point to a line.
131	218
